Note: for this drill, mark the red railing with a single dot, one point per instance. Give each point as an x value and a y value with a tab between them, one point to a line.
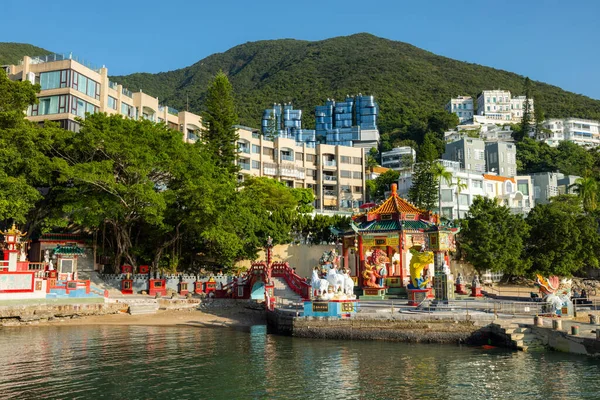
293	280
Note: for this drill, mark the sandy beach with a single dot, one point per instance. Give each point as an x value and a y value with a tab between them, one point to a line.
231	317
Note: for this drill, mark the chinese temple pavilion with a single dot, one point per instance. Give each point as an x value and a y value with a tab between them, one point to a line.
392	227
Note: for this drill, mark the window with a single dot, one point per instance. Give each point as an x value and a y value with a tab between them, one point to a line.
267	151
312	173
299	156
477	184
446	195
255	149
310	157
463	199
50	80
112	103
490	188
345	160
509	187
345	174
523	187
345	188
357	160
255	164
127	110
357	175
358	189
447	212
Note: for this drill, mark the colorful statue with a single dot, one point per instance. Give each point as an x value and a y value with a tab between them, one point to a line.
336	281
557	294
375	269
420	259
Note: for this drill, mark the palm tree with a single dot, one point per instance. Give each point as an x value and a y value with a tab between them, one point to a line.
587	189
460	186
440	172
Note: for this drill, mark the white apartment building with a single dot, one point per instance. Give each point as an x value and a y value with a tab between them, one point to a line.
499	105
583	132
70	89
398	158
515	193
334	173
462	106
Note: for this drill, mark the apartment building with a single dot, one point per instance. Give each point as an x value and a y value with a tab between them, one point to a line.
398	158
462	106
501	158
334	173
514	192
70	89
550	184
583	132
468	152
499	105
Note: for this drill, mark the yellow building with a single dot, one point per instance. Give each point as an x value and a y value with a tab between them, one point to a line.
334	173
71	89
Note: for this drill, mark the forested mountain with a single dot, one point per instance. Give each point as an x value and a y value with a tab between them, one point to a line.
409	83
12	53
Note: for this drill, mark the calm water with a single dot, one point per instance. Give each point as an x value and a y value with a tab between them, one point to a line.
193	363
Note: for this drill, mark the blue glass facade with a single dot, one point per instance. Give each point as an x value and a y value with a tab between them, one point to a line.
339	123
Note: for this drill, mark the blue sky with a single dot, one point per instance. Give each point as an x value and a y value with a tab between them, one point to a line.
553	41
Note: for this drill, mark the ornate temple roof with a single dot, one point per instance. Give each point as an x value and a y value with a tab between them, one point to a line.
393	226
395	204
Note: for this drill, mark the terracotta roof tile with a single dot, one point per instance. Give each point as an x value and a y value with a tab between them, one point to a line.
498	178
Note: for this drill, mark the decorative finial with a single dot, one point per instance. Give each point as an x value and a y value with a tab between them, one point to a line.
394	189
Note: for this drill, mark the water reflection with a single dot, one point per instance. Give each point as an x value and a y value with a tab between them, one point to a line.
194	363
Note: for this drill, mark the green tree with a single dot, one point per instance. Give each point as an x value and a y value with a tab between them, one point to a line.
424	191
492	238
572	159
136	178
218	122
428	151
382	184
372	158
460	186
538	115
440	173
563	239
525	126
23	163
587	190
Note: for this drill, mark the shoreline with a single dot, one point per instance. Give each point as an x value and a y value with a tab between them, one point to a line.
235	317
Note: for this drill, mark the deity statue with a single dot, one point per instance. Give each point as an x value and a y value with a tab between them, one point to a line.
420	259
375	269
557	293
459	279
476	283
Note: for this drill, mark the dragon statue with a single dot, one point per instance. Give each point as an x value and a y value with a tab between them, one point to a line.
420	259
557	293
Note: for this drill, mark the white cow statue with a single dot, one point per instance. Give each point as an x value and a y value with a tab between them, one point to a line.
319	286
335	280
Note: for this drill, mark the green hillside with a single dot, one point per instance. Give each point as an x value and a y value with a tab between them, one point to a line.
409	83
12	53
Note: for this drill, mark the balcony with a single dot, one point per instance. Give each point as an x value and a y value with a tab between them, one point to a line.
329	163
285	157
330	178
330	193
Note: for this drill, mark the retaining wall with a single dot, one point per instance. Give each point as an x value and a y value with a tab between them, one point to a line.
11	315
140	281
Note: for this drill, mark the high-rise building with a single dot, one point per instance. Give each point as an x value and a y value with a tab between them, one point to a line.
70	89
335	174
352	122
462	106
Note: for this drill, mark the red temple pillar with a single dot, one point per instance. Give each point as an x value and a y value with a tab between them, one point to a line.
361	260
390	253
401	261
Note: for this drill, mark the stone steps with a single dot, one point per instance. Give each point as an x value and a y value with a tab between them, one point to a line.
143	308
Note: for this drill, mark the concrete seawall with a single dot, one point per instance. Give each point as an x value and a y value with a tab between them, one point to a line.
14	315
